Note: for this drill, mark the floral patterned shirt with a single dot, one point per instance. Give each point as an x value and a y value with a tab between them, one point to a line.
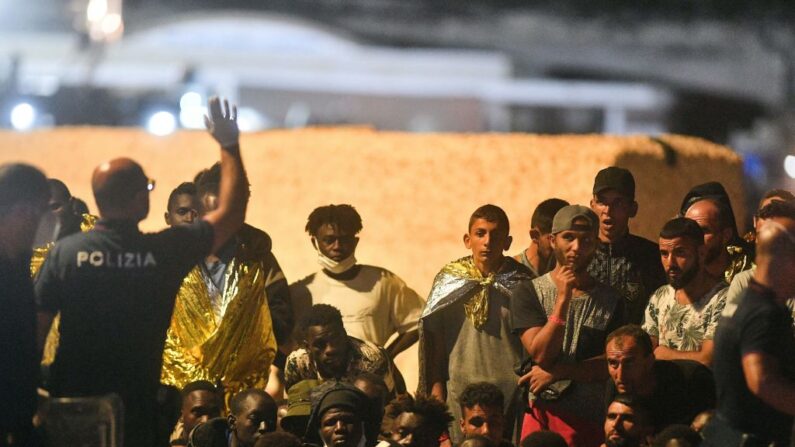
365	357
684	327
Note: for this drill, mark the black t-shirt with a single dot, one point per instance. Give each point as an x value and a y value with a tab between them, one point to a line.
759	325
115	289
683	389
19	363
631	265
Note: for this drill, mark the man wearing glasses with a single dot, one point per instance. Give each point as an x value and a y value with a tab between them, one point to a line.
115	286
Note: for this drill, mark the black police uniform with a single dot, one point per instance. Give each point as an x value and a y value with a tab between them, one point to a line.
115	289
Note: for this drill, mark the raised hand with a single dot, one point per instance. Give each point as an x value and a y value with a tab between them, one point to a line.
222	122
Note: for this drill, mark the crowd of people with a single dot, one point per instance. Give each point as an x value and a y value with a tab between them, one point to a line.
589	337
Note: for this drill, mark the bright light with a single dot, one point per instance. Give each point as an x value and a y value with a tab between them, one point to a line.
161	123
111	24
23	116
249	120
192	118
96	10
789	165
192	110
191	100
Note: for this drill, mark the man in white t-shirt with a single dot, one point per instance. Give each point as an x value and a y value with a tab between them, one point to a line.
374	302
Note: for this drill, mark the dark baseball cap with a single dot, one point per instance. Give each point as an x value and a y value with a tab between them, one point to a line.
564	219
616	178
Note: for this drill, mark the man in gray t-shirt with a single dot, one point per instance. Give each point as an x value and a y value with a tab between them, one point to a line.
465	328
563	319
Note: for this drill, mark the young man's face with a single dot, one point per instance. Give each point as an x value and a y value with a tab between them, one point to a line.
627	365
487	240
340	427
410	430
328	348
183	210
542	240
257	417
574	248
614	211
706	214
60	203
484	421
335	243
622	426
199	406
680	260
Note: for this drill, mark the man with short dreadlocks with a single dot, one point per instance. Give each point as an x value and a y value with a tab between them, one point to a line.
374	302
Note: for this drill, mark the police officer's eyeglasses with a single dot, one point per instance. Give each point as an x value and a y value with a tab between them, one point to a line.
150	185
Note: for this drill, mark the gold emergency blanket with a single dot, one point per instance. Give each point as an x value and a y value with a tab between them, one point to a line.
461	280
39	255
476	308
239	350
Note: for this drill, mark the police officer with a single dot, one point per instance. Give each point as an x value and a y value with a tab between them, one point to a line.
115	286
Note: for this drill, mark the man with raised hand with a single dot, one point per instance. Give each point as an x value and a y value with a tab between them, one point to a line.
115	286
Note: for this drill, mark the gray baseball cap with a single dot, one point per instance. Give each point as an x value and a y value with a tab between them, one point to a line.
564	219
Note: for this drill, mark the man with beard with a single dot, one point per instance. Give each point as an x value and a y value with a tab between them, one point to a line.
627	423
538	257
710	206
563	318
622	260
682	316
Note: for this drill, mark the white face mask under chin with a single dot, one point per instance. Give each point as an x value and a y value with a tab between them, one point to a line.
333	266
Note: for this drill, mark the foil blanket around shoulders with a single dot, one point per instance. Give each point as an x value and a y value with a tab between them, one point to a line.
238	350
459	281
